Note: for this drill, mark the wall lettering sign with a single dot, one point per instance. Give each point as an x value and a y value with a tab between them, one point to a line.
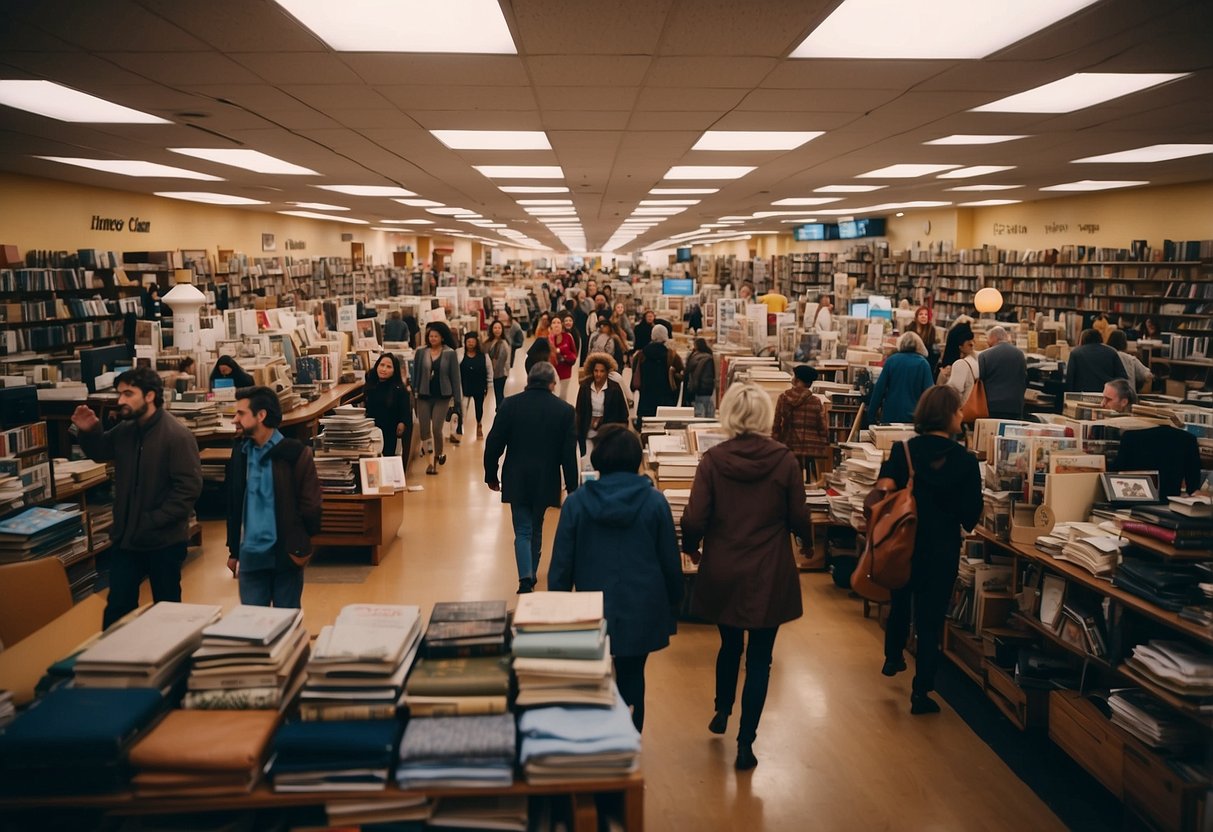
295	245
131	224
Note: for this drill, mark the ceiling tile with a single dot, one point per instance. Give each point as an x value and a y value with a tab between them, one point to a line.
584	119
422	97
479	120
739	72
443	70
675	99
126	26
585	71
769	28
811	100
621	27
845	75
237	25
179	68
298	67
586	98
337	96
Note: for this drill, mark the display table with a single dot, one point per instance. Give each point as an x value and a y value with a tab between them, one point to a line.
303	423
24	663
361	520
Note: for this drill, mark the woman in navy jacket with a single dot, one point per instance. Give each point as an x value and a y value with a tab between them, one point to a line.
616	535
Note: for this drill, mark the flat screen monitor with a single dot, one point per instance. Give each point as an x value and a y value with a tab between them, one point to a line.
95	361
887	314
854	229
811	231
859	309
678	286
683	255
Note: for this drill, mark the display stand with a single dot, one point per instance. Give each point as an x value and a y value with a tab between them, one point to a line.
361	520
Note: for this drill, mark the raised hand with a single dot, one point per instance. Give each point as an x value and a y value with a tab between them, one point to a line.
85	419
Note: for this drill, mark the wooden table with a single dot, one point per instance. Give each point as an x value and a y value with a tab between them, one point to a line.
361	520
23	664
303	422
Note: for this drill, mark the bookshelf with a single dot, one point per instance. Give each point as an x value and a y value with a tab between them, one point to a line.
57	309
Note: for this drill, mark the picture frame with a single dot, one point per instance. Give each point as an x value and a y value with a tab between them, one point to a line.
1052	598
1129	488
268	242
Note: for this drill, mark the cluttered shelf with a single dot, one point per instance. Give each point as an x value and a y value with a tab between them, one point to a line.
1040	629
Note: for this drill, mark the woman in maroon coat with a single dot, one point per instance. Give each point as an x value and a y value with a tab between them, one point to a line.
747	497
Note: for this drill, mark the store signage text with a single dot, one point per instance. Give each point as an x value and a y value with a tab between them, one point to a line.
295	245
1009	228
131	224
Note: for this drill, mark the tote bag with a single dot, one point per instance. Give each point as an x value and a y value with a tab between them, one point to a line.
975	407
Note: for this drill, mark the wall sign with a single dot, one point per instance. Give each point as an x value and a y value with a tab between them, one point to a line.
131	224
295	245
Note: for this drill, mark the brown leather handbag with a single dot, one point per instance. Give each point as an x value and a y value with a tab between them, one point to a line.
975	407
892	516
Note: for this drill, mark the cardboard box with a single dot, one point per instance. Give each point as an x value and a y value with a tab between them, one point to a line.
1026	525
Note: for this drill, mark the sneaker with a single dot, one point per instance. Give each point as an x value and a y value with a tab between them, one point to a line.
893	666
921	703
442	459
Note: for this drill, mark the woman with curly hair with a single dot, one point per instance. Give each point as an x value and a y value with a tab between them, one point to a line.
600	399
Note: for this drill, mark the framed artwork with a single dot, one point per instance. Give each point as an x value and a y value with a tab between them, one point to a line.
268	243
1129	488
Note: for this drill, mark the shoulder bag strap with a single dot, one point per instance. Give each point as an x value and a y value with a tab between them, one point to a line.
905	446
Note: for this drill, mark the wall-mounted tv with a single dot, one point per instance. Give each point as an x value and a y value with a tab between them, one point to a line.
854	229
677	286
815	231
683	255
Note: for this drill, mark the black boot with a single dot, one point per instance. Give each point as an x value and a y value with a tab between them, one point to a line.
745	756
719	723
893	666
921	703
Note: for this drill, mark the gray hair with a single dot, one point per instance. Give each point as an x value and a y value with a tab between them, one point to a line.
541	373
1123	389
911	342
660	334
746	408
996	335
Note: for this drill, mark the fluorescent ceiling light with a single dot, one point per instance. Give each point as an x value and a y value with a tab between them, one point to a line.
801	219
847	189
1153	153
467	215
421	203
1094	185
1074	92
671	211
735	217
447	212
982	203
479	222
551	212
905	171
765	232
754	139
493	139
807	200
985	187
127	167
521	171
969	138
545	202
731	222
930	29
312	215
534	189
682	191
403	222
386	228
46	98
449	230
708	171
210	198
238	157
324	206
670	201
368	190
496	225
975	170
406	25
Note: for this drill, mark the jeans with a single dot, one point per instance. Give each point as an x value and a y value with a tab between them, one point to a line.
928	596
431	413
629	676
127	571
705	406
499	390
528	538
757	675
279	587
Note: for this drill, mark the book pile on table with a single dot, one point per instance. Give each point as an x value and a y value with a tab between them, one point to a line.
203	753
476	685
556	618
348	436
446	751
40	532
351	755
359	663
1178	668
851	481
1172	585
1098	554
466	628
202	418
252	659
567	744
151	651
1149	720
1163	523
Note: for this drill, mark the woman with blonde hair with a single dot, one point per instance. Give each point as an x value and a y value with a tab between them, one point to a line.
906	375
747	498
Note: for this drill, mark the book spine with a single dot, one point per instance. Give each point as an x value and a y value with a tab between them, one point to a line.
458	686
492	705
1149	530
465	651
335	713
537	652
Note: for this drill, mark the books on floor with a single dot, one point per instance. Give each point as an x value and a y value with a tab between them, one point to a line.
352	755
476	685
251	659
466	628
150	651
202	754
567	744
457	751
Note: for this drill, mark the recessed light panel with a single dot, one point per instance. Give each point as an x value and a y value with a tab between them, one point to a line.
129	167
986	203
239	157
545	202
474	26
682	191
493	139
1077	91
847	189
1094	185
968	138
985	187
807	200
447	212
421	203
975	170
368	190
1153	153
405	222
708	171
534	189
210	198
671	211
312	215
754	139
905	171
930	29
324	206
46	98
521	171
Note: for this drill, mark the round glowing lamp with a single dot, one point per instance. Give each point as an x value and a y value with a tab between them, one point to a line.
988	300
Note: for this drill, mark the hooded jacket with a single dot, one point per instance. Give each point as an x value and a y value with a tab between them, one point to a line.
800	423
617	535
747	498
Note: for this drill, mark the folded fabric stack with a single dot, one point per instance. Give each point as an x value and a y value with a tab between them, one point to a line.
1149	720
465	628
506	812
1170	585
1177	667
151	651
203	754
354	755
567	744
443	751
359	663
75	740
561	680
251	659
458	687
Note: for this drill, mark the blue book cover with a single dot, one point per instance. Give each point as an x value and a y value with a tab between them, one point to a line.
373	739
78	726
34	520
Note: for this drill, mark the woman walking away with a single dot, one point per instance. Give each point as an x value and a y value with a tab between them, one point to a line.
947	490
701	380
437	384
747	497
475	368
800	422
906	375
390	405
656	373
616	535
500	354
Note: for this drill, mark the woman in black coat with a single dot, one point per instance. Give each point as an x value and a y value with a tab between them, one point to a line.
540	350
947	491
389	404
227	368
600	399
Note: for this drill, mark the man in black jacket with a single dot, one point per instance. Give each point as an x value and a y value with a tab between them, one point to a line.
535	431
273	504
157	479
1092	364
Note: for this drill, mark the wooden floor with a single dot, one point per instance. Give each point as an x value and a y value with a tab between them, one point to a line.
837	747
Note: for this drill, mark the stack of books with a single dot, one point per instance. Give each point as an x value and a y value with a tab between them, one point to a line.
507	813
359	663
203	754
1149	720
466	628
675	468
1098	554
561	744
151	651
1172	585
41	532
1178	668
457	751
1171	527
559	679
400	809
458	687
678	499
202	418
851	481
354	755
250	660
348	436
79	473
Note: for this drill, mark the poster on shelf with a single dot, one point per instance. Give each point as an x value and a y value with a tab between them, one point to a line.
347	318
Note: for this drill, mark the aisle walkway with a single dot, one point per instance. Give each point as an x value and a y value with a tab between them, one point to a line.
837	746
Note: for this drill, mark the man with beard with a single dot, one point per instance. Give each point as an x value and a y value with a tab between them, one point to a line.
157	478
273	504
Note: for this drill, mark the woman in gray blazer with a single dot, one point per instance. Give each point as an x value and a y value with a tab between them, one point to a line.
436	385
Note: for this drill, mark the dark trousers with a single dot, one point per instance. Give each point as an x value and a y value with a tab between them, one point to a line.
478	404
128	569
757	674
927	599
499	389
629	676
277	587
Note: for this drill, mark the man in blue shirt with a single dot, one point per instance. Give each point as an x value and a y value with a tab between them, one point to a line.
273	504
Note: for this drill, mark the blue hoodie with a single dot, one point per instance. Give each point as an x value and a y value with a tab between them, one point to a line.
617	535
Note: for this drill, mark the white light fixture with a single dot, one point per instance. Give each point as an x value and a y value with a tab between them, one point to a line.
1094	185
970	138
807	200
238	157
708	171
975	170
847	189
731	222
324	206
389	229
671	211
46	98
312	215
551	212
420	203
930	29
1153	153
493	139
799	220
1074	92
210	198
987	300
521	171
670	201
128	167
985	187
449	230
534	189
482	223
984	203
682	191
405	25
401	222
901	213
368	190
447	212
905	171
754	139
545	202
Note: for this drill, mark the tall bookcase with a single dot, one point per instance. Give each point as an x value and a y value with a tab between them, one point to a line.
57	310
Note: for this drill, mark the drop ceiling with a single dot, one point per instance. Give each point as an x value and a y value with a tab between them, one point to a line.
623	90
